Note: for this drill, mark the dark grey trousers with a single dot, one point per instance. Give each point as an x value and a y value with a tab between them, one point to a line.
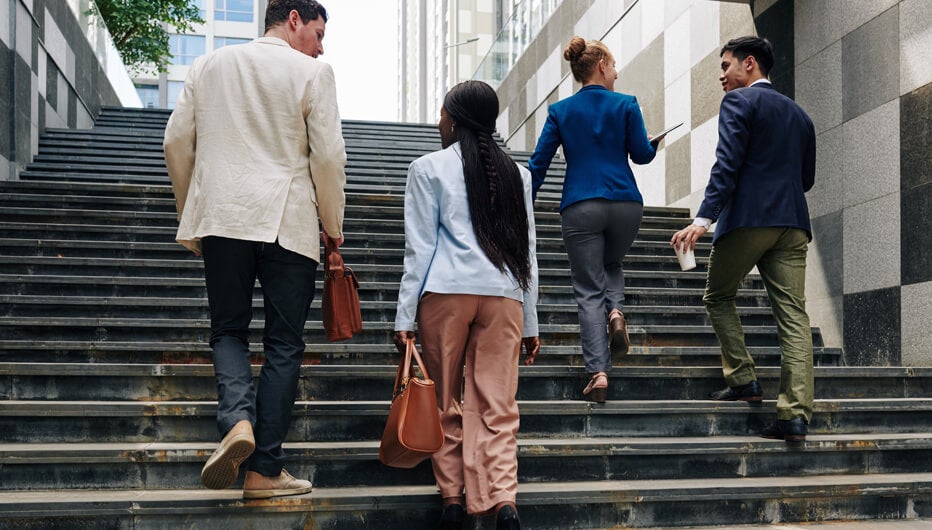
597	234
231	267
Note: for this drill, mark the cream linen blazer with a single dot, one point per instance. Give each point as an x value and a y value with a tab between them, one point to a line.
255	150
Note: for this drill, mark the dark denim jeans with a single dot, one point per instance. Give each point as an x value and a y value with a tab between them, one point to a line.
231	267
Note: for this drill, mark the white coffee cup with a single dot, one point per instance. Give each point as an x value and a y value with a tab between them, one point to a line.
686	256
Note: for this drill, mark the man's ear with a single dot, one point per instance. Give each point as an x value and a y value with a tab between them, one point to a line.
749	62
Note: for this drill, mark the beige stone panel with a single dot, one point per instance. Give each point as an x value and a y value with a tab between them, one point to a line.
916	321
735	20
826	314
677	169
706	91
915	44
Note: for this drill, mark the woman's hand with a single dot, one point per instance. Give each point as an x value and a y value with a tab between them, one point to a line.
532	348
401	340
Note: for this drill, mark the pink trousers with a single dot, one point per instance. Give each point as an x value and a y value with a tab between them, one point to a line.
477	404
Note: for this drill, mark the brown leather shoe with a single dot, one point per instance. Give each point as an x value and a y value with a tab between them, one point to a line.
222	467
618	333
258	486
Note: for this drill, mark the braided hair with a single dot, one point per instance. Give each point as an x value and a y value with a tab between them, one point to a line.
494	187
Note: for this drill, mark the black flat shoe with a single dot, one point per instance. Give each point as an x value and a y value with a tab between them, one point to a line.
452	517
507	519
749	392
793	430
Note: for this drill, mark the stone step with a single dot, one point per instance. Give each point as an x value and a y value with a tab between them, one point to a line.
153	466
339	421
193	287
119	329
552	505
373	382
372	310
640	276
195	350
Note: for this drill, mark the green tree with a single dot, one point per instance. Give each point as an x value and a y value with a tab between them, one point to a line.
138	28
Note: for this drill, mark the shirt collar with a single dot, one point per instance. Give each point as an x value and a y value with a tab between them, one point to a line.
272	40
761	80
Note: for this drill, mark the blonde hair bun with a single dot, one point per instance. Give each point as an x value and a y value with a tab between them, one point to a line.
574	49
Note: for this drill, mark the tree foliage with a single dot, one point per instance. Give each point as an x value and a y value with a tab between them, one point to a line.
138	28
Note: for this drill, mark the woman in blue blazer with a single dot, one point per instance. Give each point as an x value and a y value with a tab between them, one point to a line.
601	206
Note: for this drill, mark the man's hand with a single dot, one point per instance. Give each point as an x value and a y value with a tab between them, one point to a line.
532	348
689	235
337	242
401	340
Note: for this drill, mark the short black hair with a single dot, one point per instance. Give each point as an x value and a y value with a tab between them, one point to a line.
759	48
277	11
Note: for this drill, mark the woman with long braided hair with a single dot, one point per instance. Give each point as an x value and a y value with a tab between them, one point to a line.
470	283
601	206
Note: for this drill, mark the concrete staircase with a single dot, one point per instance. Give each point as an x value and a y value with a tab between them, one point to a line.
107	397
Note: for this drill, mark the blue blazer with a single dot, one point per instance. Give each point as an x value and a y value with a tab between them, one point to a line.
598	129
765	161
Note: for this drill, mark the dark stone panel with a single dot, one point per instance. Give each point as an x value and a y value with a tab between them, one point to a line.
6	105
916	138
776	25
51	83
872	327
915	236
34	60
22	105
41	117
72	109
827	236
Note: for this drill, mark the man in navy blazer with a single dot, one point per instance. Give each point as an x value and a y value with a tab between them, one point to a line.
765	161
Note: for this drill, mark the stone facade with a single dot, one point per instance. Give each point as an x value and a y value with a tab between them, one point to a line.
860	68
49	77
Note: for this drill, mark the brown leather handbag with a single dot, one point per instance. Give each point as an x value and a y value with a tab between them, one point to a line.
413	430
340	302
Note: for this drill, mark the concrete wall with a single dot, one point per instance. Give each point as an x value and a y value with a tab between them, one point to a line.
860	68
49	77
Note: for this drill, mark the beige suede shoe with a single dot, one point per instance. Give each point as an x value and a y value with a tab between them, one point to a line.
222	467
258	486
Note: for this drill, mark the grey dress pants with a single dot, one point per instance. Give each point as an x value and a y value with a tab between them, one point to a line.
597	234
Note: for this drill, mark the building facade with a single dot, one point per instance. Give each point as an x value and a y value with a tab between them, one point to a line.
58	67
440	44
860	68
226	22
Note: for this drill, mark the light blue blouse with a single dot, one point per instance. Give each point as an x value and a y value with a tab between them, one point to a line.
442	254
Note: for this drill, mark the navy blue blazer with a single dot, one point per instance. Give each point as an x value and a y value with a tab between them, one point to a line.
765	161
598	129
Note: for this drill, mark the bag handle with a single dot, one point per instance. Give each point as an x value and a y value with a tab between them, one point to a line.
333	258
406	370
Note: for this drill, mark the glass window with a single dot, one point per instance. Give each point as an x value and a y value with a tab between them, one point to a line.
201	12
174	90
220	42
233	10
149	94
186	48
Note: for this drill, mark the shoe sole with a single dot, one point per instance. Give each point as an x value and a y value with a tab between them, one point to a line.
265	494
596	395
222	468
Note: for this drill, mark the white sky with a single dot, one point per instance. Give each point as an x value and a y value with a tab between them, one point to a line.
361	43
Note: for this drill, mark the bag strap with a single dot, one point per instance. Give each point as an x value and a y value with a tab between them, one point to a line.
405	370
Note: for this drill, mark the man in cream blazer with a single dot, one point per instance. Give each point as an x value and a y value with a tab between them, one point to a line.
255	153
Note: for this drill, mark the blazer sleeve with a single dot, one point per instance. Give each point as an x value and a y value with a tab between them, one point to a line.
327	157
422	222
733	136
180	142
540	160
637	144
531	295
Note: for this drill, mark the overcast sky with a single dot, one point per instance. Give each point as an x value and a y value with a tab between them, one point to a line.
361	44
